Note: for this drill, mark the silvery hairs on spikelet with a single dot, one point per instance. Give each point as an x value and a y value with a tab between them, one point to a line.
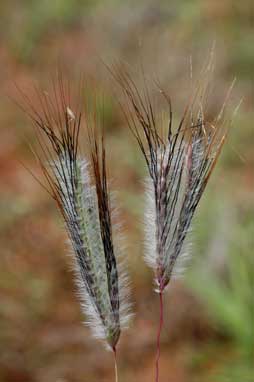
179	161
84	203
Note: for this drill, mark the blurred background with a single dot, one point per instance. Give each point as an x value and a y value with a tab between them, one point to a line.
209	329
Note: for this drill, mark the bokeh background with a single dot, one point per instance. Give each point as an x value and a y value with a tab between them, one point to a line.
209	329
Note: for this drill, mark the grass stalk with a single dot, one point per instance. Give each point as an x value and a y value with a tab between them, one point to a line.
115	361
157	362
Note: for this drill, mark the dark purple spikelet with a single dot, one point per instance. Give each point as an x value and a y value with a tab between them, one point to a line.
180	161
79	187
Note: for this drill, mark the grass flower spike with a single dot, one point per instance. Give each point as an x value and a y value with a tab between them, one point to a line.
180	161
79	187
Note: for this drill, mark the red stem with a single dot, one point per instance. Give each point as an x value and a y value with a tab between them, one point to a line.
159	337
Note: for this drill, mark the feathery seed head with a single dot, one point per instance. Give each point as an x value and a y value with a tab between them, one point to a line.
180	162
80	188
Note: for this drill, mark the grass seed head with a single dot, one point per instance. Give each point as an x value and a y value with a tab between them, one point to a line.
180	161
79	187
